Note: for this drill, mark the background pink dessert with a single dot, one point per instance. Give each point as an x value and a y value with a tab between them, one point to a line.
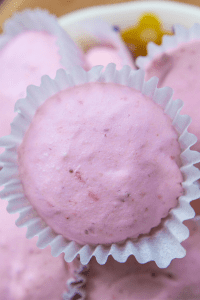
102	55
26	272
105	44
134	281
25	59
179	68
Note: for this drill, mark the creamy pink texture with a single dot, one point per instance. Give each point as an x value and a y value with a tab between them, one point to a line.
134	281
26	272
179	68
99	163
103	44
102	55
24	60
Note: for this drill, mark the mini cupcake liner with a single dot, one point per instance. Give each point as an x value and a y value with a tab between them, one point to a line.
181	35
97	32
75	285
41	20
163	243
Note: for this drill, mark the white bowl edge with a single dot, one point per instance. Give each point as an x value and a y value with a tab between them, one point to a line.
126	14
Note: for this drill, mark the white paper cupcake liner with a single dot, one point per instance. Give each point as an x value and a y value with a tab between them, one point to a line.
163	244
75	285
97	32
181	35
41	20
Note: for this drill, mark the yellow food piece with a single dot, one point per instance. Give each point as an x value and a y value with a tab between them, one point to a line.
148	28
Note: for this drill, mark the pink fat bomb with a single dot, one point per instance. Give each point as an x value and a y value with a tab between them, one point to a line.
100	163
102	55
25	59
179	68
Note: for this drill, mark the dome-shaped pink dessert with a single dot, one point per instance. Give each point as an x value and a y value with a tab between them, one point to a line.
103	44
100	163
25	59
179	68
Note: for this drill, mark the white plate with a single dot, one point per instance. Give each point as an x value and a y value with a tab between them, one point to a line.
126	14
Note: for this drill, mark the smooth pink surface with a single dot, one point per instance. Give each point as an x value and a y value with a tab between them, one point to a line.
100	55
134	281
26	272
179	68
108	45
99	163
24	60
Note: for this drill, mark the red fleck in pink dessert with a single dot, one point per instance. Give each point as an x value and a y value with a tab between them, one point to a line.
179	68
101	163
134	281
27	272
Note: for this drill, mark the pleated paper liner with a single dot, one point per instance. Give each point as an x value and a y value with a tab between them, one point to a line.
41	20
163	243
76	285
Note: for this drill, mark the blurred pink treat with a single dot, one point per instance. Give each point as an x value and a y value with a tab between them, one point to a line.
134	281
33	44
108	45
179	68
27	272
102	55
25	59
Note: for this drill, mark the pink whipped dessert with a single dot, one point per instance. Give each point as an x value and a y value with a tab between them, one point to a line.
31	46
179	69
26	272
24	60
91	163
134	281
105	44
102	55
